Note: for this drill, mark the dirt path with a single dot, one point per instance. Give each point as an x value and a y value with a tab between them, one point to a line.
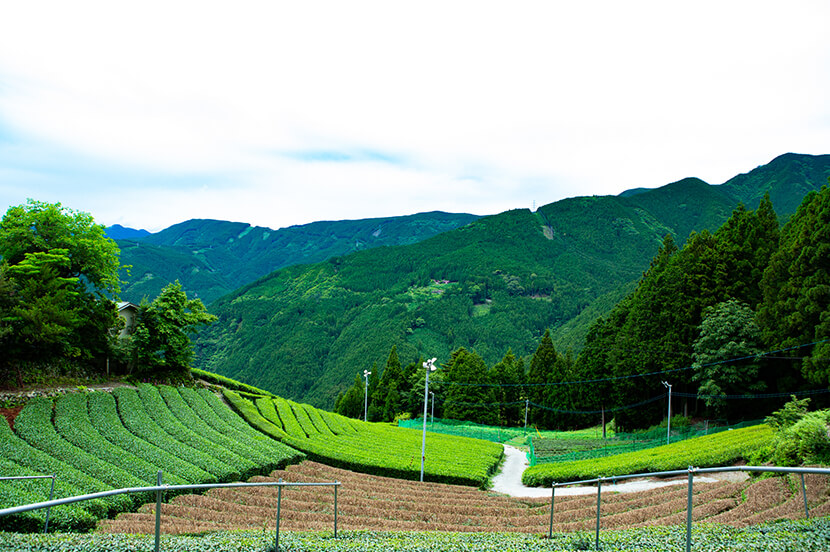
509	480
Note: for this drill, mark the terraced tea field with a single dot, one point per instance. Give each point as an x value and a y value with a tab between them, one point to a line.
368	502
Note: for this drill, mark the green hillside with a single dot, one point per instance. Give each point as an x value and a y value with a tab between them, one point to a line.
497	283
211	258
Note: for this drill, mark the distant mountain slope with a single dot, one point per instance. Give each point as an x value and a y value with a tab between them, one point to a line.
118	232
497	283
211	257
787	178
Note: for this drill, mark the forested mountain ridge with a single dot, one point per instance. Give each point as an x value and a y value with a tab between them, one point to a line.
493	285
211	258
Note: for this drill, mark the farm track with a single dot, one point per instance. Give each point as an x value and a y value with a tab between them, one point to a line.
380	503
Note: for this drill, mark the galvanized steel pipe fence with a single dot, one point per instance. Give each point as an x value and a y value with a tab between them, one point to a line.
159	489
690	472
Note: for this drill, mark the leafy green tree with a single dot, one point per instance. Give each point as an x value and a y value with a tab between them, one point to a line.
38	227
728	331
60	270
796	287
161	340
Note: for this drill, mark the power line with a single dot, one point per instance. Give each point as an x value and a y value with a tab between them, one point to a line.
647	374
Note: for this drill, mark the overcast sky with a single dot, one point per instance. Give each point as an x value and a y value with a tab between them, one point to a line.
275	113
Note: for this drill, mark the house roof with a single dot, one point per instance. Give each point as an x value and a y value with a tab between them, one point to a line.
125	305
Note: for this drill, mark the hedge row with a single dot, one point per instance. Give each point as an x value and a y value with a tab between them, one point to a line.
99	441
254	460
371	448
34	425
225	420
711	450
103	414
32	461
69	517
218	460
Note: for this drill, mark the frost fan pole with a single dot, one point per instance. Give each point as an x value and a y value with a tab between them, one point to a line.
430	367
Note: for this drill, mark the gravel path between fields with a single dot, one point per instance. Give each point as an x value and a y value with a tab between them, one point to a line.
509	480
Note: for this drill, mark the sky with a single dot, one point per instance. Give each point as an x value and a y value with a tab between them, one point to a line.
277	113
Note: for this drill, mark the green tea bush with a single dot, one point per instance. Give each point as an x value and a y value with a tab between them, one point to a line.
135	418
268	444
73	424
34	461
218	460
378	449
707	451
68	517
34	425
103	414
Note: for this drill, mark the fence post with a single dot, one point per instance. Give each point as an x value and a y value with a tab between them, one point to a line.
279	501
689	512
158	513
804	494
599	499
52	496
335	509
552	494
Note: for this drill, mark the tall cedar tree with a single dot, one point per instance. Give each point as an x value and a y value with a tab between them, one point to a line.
387	401
508	375
796	289
539	379
467	395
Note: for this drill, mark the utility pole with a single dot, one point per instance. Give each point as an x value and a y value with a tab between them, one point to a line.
366	374
667	385
430	367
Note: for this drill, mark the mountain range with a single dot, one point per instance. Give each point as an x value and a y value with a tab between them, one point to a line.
491	284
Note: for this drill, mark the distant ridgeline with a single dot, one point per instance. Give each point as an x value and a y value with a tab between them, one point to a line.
211	257
495	284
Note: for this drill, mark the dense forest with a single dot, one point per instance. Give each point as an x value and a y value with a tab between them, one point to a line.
735	320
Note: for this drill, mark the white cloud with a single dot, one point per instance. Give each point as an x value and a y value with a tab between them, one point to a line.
235	112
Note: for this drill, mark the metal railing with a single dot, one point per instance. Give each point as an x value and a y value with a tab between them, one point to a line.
160	488
51	491
690	471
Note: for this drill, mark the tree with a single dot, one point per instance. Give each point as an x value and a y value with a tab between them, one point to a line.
39	227
508	376
351	403
796	287
161	340
539	377
728	331
467	396
387	401
60	270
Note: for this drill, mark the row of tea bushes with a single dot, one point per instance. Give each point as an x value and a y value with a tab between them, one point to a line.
373	448
719	449
99	441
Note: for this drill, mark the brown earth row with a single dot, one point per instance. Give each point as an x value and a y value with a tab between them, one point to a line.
381	503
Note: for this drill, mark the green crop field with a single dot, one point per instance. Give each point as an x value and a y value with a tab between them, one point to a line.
99	441
790	536
707	451
369	447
